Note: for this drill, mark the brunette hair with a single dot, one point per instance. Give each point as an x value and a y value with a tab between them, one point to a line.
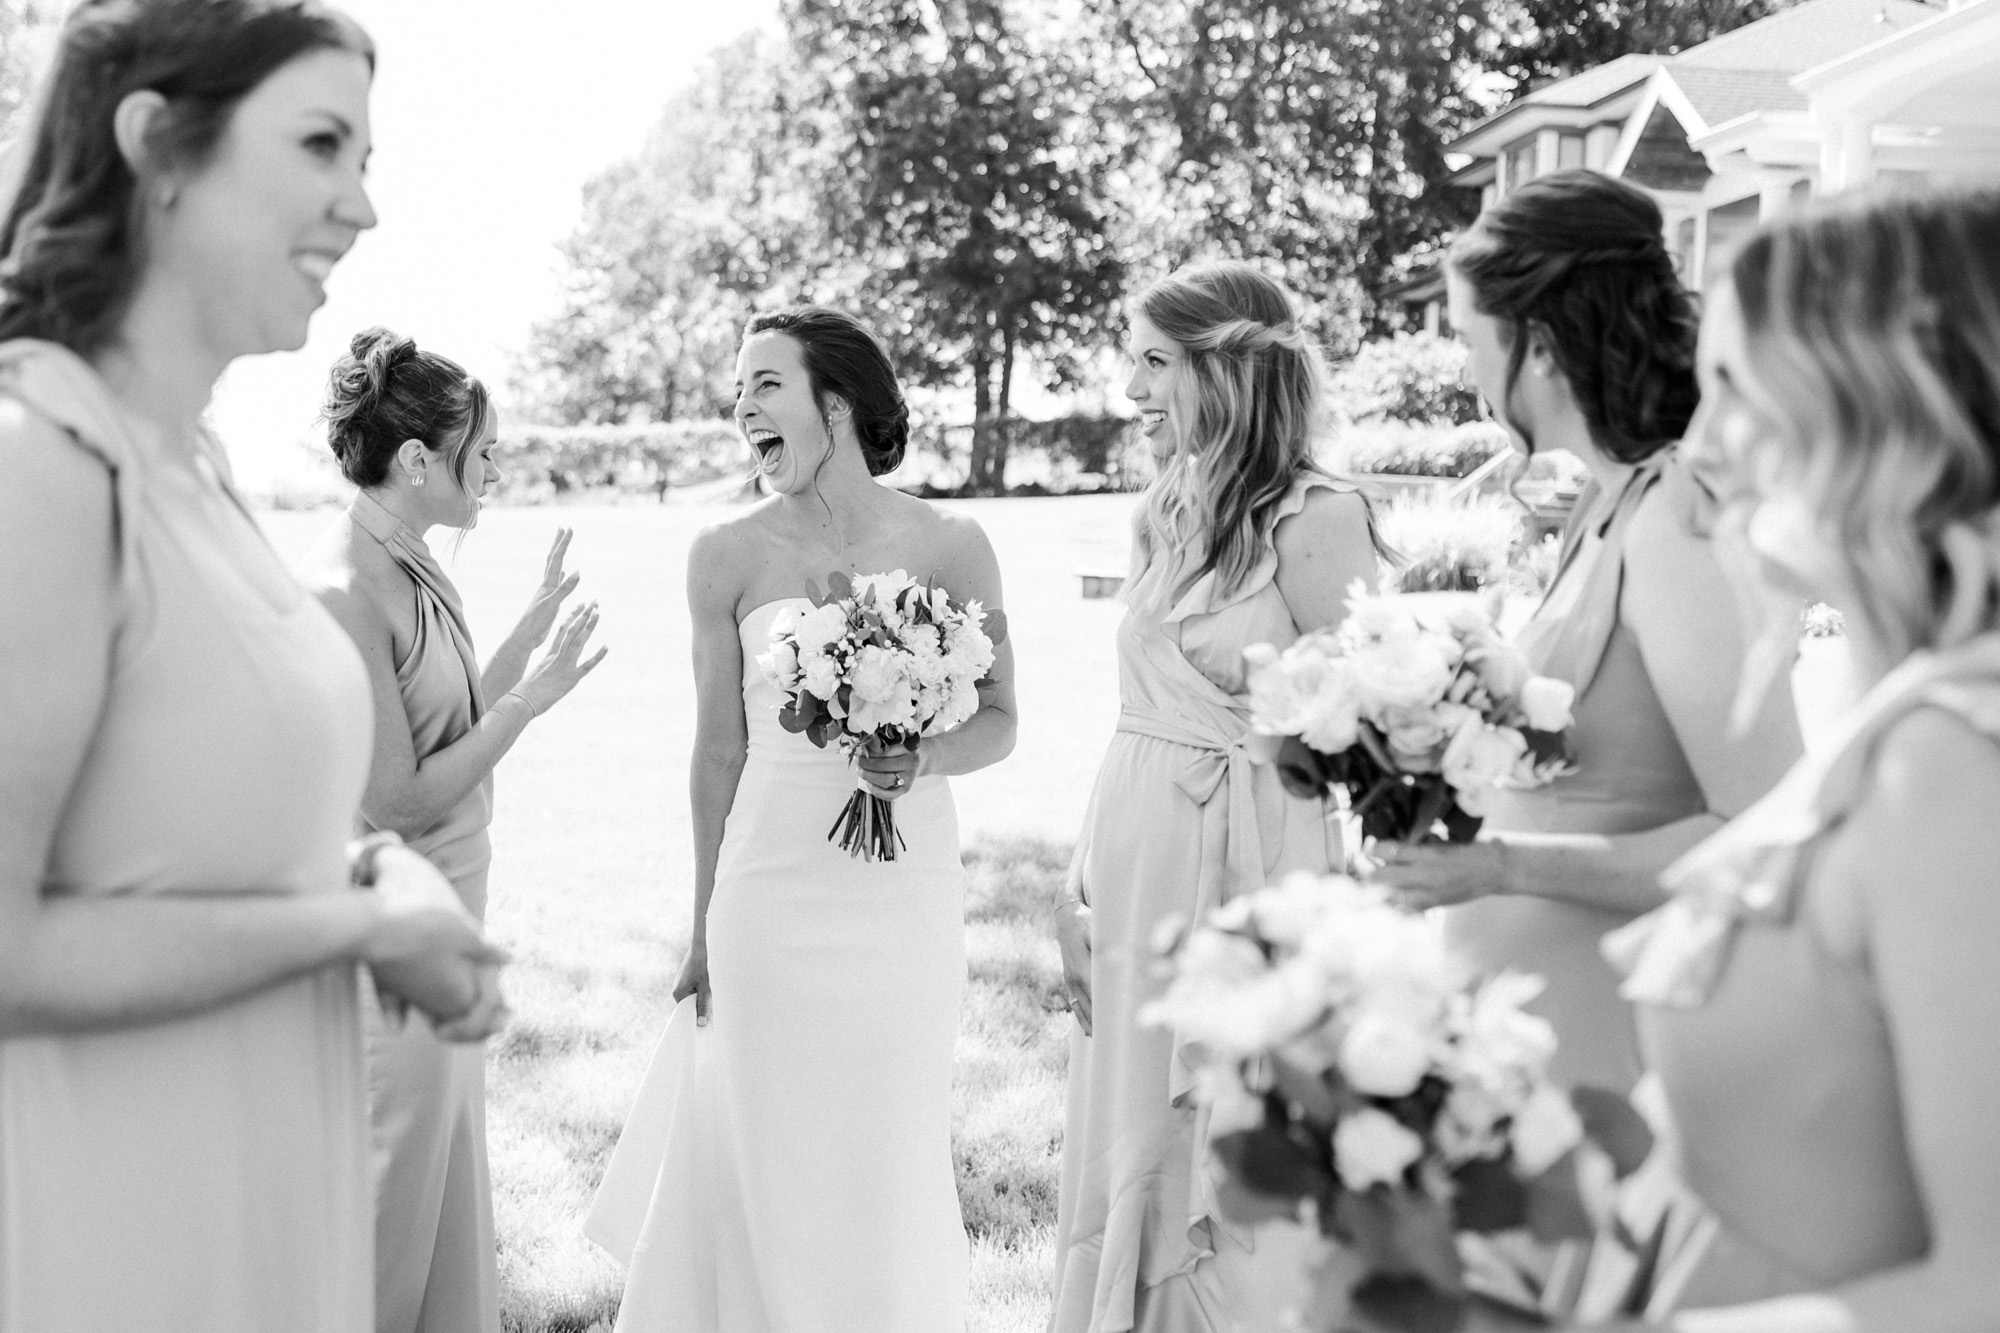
70	234
1580	259
843	358
1250	410
386	391
1872	344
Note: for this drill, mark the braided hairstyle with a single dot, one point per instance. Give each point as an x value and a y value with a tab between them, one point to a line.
1251	408
70	251
385	391
843	358
1580	259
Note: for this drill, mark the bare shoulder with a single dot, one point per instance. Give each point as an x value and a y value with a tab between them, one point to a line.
723	556
58	492
1925	832
1330	516
1670	564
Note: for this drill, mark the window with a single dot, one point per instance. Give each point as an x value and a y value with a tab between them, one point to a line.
1521	163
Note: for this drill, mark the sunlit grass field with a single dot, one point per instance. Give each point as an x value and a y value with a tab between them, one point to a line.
591	884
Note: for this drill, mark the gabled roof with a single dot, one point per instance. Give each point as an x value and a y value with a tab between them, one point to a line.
1740	72
1794	40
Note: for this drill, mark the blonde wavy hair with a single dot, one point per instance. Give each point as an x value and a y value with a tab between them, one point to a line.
1249	409
1873	342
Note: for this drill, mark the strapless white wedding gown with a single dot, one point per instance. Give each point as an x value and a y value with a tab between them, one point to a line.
788	1168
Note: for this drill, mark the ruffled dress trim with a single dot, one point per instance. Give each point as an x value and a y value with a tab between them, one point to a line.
1203	597
1754	868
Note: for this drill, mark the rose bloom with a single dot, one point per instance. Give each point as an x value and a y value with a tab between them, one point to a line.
1384	1054
1370	1148
1409	668
781	665
1545	703
886	586
879	674
1481	756
821	674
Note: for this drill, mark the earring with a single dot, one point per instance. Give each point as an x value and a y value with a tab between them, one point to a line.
417	478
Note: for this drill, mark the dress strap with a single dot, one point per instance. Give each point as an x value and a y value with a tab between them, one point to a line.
415	558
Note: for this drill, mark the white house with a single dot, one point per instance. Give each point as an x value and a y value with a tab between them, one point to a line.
1825	96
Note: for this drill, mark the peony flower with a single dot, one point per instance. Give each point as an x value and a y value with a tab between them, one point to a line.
1502	669
819	673
1407	668
1371	1148
781	665
1501	1046
880	674
1416	736
1384	1054
1482	756
821	627
1545	1127
885	586
1545	703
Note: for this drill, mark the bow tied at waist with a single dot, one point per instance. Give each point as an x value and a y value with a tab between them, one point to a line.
1220	778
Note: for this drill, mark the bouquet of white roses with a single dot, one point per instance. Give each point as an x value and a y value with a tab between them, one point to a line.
1356	1074
881	663
1417	707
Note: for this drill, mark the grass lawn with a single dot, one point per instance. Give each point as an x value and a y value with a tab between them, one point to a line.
591	883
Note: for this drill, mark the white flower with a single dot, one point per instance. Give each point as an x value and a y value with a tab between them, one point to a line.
885	586
1503	669
1468	1126
1501	1046
1218	1085
786	622
1481	756
1417	735
1546	701
1545	1127
821	627
1228	998
1409	667
1384	1054
1371	1148
781	665
820	674
880	675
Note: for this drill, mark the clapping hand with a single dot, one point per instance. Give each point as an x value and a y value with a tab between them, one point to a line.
540	617
563	665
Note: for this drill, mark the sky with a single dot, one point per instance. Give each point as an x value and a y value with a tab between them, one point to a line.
489	116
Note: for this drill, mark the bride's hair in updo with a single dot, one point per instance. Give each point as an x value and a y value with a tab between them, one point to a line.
1872	340
385	391
1580	259
844	359
1249	412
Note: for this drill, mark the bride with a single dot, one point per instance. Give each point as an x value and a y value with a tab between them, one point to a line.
788	1166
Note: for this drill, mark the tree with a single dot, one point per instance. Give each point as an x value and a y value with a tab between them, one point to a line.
969	192
1554	39
676	247
1308	132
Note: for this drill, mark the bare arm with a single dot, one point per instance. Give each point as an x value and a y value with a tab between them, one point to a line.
987	737
1920	854
1322	550
70	964
721	732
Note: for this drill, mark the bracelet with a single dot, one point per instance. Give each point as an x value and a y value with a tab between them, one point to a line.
516	694
362	853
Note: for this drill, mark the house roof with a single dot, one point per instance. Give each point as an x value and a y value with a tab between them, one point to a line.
1740	72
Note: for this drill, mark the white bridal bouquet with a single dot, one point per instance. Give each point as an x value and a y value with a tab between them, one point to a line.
1417	707
1357	1075
882	662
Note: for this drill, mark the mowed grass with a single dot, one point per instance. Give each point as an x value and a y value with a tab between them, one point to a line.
591	885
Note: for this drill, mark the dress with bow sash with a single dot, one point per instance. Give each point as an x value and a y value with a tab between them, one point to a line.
1181	820
435	1265
1766	1025
1631	775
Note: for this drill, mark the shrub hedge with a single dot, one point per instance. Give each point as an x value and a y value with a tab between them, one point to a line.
536	461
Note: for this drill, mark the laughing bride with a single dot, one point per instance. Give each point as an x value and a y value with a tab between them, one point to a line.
788	1162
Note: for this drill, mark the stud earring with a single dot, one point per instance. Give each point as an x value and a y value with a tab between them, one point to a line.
416	478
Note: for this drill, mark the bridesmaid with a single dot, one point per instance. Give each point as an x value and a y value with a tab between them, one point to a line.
186	730
1581	338
416	434
1241	539
1820	997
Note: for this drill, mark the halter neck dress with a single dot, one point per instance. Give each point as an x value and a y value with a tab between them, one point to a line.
205	1174
435	1263
1180	821
1631	775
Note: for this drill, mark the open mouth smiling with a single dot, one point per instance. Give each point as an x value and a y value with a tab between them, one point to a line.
767	443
